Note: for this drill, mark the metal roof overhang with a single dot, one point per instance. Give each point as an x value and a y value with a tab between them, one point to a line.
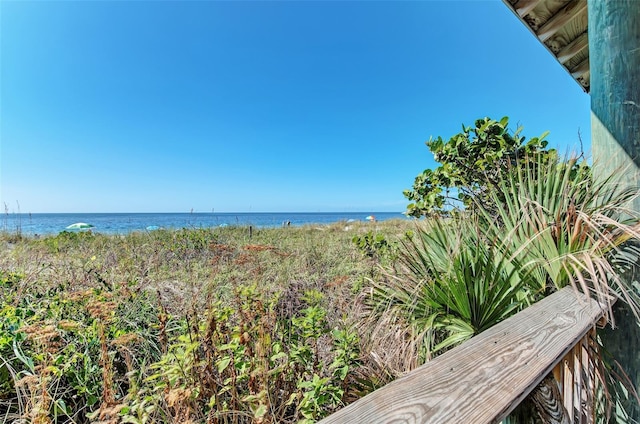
561	26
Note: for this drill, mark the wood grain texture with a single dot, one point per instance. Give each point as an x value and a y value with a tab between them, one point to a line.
572	49
485	378
524	7
561	18
548	401
580	69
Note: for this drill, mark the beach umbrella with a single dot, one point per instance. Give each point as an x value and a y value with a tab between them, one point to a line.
79	226
370	218
152	227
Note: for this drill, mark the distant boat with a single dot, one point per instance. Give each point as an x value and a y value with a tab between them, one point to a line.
80	226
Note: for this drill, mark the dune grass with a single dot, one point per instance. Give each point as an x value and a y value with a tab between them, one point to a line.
194	325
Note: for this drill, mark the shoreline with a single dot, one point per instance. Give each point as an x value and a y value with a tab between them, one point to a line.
52	224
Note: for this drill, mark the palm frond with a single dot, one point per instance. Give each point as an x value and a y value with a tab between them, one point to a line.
573	229
453	285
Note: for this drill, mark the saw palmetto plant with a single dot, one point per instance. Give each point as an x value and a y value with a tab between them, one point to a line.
551	225
453	284
569	228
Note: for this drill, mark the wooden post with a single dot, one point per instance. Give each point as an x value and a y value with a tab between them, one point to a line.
614	50
614	56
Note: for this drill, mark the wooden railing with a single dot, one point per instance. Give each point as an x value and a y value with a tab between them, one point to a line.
576	375
545	351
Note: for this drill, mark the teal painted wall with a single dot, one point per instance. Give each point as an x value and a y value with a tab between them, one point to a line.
614	61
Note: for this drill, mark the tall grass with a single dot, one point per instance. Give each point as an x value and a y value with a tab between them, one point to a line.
199	325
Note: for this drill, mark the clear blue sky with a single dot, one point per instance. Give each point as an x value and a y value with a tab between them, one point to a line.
143	106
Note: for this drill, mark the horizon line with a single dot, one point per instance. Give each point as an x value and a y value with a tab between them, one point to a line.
369	211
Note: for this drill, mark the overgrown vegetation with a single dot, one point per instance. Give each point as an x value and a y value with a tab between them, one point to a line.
288	325
186	326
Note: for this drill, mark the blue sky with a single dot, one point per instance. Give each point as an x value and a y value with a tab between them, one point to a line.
143	106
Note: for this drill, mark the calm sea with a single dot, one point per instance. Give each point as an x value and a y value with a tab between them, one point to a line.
122	223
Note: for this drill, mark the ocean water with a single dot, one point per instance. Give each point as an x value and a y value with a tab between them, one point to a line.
123	223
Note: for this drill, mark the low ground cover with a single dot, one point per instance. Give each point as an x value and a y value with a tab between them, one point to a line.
194	325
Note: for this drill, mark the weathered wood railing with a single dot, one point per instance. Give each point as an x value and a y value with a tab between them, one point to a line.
486	378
